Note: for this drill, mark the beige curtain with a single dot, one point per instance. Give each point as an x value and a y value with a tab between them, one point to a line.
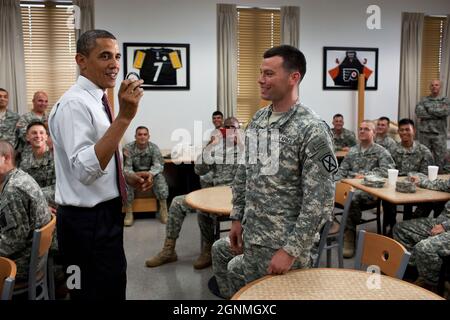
227	59
410	63
290	24
84	16
12	63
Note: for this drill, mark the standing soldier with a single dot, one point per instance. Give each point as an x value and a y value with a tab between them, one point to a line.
8	119
432	112
143	155
283	195
23	209
343	139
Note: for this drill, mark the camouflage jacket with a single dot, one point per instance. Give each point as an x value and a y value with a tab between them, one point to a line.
284	193
21	127
148	159
432	115
438	185
8	127
386	142
416	159
346	139
43	171
375	160
23	209
217	164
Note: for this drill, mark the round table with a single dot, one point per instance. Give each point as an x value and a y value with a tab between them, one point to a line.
215	200
332	284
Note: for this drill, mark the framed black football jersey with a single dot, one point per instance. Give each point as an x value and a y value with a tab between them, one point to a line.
161	66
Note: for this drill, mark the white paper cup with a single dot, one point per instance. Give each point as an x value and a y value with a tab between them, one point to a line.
432	172
392	176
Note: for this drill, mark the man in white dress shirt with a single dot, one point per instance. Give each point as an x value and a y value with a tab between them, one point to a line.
89	180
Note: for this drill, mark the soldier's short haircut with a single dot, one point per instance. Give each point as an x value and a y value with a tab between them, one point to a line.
6	149
406	121
338	115
217	113
233	120
38	93
293	59
4	90
36	123
88	40
141	127
370	123
384	119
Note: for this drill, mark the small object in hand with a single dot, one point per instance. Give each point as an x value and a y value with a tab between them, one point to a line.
133	76
405	186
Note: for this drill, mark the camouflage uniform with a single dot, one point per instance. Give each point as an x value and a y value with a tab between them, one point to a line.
346	139
432	126
21	127
282	208
43	171
416	159
148	159
219	173
426	250
386	142
23	209
375	160
8	127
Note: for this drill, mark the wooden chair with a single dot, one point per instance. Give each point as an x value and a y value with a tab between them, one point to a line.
333	233
144	202
38	272
386	253
8	270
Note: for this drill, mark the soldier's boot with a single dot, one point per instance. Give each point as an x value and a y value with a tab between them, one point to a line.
204	260
349	244
163	215
166	255
129	219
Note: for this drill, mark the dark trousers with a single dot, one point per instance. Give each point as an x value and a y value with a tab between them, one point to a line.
92	239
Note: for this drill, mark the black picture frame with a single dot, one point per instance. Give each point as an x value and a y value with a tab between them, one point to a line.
342	65
162	66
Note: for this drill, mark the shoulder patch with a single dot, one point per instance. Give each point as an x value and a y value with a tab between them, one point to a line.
329	162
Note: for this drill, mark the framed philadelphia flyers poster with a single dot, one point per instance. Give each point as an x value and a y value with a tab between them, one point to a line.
343	65
162	66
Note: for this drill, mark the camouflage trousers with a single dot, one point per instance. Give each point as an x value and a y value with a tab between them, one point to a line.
426	250
361	201
233	272
437	143
160	189
178	211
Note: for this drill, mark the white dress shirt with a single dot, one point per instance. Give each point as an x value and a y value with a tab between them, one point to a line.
76	123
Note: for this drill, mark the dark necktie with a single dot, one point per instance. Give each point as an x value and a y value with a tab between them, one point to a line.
120	177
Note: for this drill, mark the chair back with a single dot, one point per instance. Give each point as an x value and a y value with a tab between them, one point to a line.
37	271
386	253
8	270
343	199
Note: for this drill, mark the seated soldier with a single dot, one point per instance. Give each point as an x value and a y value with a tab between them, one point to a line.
212	163
37	113
428	239
142	155
382	137
343	139
23	209
8	119
409	156
365	158
39	162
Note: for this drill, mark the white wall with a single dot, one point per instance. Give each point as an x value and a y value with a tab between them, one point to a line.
322	23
